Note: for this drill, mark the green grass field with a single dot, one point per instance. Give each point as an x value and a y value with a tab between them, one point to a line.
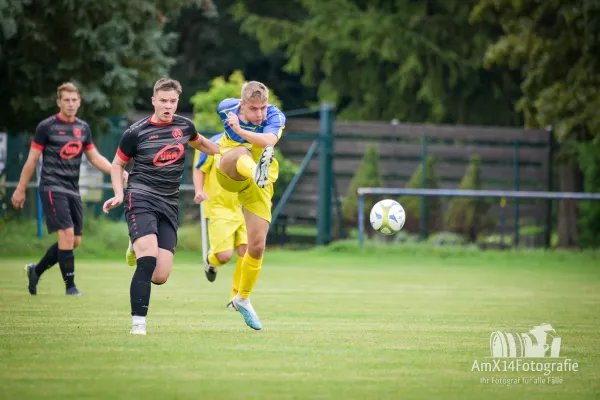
339	323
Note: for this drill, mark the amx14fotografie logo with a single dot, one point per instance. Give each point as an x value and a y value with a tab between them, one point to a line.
537	351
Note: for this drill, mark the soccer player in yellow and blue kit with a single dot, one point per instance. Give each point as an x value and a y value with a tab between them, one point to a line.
247	167
226	225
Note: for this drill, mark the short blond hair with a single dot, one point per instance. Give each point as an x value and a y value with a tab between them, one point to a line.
67	87
254	90
167	84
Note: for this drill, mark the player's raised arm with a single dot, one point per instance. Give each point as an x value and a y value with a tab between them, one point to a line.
204	145
270	134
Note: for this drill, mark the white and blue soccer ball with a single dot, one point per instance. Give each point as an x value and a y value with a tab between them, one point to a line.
387	217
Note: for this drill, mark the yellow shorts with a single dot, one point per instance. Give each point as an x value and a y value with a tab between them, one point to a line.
224	234
251	197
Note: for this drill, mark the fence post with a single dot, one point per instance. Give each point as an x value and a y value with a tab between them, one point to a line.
424	186
516	188
361	218
325	174
548	232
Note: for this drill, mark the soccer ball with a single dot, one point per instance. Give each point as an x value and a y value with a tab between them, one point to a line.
387	217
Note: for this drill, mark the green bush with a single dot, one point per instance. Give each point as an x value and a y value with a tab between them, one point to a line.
589	215
468	215
208	121
412	204
367	175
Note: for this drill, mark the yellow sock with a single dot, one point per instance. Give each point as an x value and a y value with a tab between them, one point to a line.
237	274
213	260
250	271
245	166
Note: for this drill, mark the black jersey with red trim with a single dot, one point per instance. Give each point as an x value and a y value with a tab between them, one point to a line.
158	151
62	143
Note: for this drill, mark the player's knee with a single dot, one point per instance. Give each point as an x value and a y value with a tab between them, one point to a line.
76	242
160	280
66	238
146	248
224	256
256	250
242	250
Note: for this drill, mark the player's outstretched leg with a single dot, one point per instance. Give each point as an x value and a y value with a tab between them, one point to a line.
239	165
141	282
35	271
261	173
130	256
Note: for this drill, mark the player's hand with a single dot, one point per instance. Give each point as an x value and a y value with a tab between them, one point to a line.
233	121
125	178
18	198
200	197
112	203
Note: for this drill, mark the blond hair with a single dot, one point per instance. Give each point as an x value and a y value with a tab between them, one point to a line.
67	87
167	84
254	90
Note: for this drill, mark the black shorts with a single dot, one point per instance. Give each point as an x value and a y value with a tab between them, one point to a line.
62	211
150	216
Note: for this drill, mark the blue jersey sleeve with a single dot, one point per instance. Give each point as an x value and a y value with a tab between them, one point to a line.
203	156
226	106
275	121
201	160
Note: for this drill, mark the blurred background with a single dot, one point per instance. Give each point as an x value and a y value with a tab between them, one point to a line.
469	94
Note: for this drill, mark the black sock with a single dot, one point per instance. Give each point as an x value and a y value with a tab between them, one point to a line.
49	259
139	291
66	260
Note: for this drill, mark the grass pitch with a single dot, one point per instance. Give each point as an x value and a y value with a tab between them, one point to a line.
339	323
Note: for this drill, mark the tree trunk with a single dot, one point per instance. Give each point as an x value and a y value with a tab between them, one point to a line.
569	181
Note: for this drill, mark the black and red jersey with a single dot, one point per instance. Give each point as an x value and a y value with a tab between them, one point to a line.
158	151
62	143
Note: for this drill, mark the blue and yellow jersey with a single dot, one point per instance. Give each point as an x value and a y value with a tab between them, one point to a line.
273	124
220	203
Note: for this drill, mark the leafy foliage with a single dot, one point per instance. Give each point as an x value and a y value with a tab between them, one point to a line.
589	217
554	45
404	59
467	215
210	44
412	205
368	174
108	49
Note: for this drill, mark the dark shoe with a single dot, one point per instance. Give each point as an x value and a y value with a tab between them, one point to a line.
73	292
211	273
33	279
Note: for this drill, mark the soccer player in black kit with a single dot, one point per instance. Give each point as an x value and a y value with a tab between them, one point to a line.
62	139
157	144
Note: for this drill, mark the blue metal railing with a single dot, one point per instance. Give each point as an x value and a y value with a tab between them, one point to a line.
362	192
